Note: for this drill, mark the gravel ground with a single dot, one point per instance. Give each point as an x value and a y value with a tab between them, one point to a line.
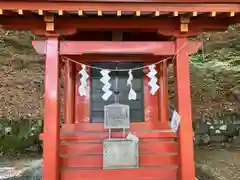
11	166
217	164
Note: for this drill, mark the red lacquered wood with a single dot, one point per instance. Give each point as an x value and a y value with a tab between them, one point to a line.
100	136
156	48
163	99
88	58
66	141
69	100
108	47
183	99
131	6
158	93
104	135
163	136
167	26
125	174
146	1
51	112
152	146
134	126
41	136
96	161
82	104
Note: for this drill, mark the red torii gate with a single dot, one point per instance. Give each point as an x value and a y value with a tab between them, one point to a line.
90	29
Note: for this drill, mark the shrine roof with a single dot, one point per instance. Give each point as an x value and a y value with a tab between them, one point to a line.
28	14
159	1
109	7
113	5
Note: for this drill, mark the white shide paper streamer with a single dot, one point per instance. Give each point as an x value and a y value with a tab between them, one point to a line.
106	87
176	118
153	79
132	95
83	80
132	137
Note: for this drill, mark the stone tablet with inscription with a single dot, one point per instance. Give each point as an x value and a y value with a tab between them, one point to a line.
116	116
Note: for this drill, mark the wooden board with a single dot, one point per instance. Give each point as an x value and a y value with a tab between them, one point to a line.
130	174
96	161
88	148
85	126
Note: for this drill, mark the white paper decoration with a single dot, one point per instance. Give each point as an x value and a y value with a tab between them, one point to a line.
83	80
132	95
153	79
106	87
176	118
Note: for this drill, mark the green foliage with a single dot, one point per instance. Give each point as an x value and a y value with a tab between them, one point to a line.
15	136
215	76
215	82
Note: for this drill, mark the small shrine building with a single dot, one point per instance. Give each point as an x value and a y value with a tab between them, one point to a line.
117	51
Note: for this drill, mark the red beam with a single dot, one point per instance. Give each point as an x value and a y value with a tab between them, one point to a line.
96	161
145	146
156	48
114	6
134	126
117	57
91	23
145	1
100	136
167	26
108	47
21	23
119	23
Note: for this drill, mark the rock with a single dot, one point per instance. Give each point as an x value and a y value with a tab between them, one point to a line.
232	130
209	123
211	127
202	128
223	127
236	141
32	172
33	148
236	121
201	139
217	138
8	130
218	131
205	138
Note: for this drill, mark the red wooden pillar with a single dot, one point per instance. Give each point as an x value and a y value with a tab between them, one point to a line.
183	101
69	99
163	93
51	111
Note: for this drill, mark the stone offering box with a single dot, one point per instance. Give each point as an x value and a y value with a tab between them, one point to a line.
118	153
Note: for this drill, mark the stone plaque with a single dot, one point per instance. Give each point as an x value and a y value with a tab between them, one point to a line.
116	116
120	154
